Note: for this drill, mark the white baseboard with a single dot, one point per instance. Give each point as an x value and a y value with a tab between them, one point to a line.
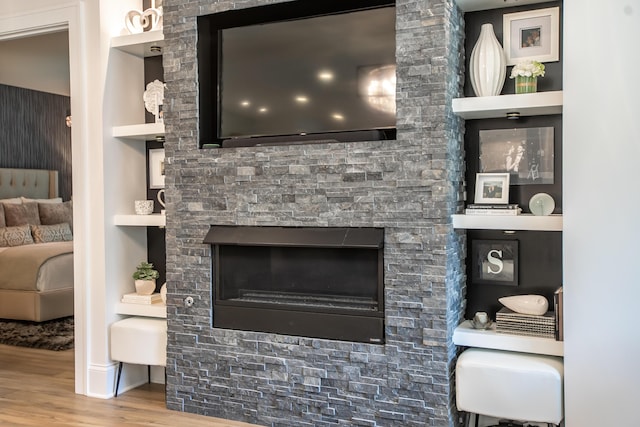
102	379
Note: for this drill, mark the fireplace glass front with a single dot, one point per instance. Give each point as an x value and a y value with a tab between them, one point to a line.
312	282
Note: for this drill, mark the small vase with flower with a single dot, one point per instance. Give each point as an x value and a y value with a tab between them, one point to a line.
526	74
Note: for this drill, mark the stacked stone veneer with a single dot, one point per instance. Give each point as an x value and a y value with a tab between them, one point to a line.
410	187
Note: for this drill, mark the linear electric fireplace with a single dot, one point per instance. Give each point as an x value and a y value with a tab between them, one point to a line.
304	281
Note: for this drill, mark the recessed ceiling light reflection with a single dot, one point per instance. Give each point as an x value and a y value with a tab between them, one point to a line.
379	87
337	116
301	99
263	110
245	103
325	75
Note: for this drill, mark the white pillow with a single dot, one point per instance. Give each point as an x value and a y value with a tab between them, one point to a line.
15	201
54	200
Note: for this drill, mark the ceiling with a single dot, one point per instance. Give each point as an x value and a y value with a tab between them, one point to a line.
38	63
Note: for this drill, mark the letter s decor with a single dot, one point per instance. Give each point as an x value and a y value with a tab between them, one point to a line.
494	262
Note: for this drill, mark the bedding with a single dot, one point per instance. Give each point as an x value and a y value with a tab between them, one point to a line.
36	247
21	265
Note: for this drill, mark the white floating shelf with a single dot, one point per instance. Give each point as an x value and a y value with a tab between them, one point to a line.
140	44
465	335
146	310
491	107
143	132
475	5
509	222
153	220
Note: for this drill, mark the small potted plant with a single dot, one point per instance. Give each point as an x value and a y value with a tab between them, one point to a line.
526	74
145	278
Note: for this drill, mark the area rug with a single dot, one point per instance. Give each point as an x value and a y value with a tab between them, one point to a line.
54	334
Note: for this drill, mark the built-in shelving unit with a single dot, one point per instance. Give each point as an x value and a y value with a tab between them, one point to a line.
143	45
465	335
526	104
510	106
508	222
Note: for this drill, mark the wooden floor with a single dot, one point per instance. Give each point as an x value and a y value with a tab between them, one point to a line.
36	389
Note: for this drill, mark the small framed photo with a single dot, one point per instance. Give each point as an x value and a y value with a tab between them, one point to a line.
494	262
156	168
532	35
527	154
492	188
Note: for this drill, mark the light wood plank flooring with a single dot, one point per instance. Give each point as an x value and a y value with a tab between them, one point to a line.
36	389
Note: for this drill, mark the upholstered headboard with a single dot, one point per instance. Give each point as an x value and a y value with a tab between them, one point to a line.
31	183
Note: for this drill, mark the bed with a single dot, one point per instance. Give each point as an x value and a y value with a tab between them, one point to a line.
36	246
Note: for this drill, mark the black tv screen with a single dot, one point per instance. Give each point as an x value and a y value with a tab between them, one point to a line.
298	70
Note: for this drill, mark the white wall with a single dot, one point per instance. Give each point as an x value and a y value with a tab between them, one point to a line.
24	19
601	212
38	62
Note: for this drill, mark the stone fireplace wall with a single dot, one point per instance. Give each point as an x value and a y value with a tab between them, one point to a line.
410	187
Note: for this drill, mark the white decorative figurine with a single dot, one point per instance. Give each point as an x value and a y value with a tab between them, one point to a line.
136	21
526	304
481	320
154	98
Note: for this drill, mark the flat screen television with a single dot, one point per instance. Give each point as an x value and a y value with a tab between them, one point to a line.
297	72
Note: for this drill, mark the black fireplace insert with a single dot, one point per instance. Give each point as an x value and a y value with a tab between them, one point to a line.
304	281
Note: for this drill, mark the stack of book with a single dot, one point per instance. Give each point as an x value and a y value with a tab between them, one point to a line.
488	209
557	302
135	298
510	322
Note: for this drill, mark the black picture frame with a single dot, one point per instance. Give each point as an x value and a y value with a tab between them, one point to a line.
155	169
527	154
494	262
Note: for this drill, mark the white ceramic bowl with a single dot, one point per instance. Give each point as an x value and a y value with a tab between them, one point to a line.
526	304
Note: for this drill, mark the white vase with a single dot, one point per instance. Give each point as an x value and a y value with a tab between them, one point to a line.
488	66
163	293
143	207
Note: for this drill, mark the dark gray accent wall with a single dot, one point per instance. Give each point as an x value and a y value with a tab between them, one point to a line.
409	186
540	253
156	244
33	133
